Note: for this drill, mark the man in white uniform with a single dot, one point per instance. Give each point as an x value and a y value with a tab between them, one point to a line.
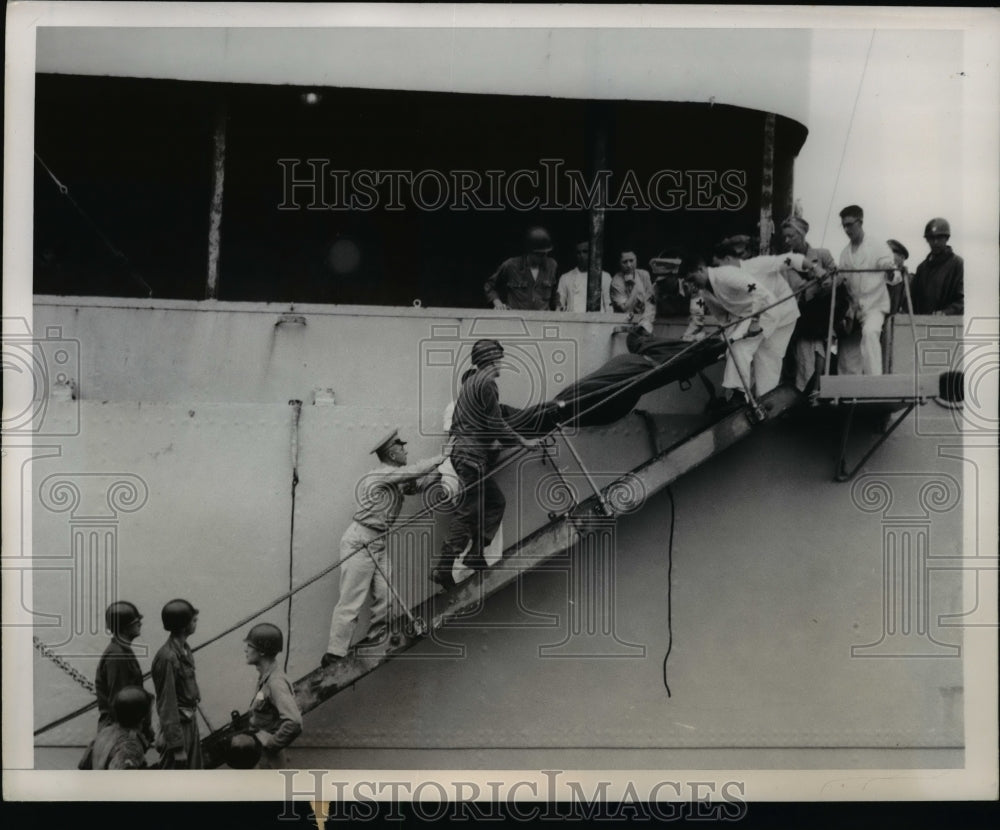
755	290
861	351
572	289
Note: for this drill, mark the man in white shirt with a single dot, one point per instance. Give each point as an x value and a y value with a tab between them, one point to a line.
861	351
572	289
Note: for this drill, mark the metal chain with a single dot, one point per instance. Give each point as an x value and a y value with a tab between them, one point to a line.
78	676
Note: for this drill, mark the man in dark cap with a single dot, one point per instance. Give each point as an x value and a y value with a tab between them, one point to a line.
362	547
897	292
528	281
810	335
939	284
478	432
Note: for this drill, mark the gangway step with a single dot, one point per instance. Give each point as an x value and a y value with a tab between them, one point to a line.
544	544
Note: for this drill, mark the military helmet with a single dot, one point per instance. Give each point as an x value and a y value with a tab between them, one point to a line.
538	241
486	351
937	227
177	615
130	706
244	751
120	615
266	638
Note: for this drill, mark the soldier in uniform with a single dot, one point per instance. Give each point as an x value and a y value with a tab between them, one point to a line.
380	498
177	694
275	718
478	426
118	669
120	744
939	284
527	281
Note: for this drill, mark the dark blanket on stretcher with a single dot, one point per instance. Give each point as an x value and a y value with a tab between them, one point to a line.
591	400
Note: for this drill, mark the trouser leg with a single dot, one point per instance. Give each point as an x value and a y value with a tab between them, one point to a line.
192	740
767	360
356	573
465	520
192	746
849	354
494	505
738	361
379	596
273	759
871	342
807	356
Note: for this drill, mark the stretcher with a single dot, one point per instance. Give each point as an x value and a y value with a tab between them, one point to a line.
612	391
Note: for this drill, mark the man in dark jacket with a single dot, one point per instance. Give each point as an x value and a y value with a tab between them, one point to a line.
526	282
477	427
938	286
118	669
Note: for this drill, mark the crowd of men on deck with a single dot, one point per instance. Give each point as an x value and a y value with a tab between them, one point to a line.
794	290
776	311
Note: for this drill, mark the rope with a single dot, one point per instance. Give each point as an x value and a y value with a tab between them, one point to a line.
850	124
117	254
514	456
670	603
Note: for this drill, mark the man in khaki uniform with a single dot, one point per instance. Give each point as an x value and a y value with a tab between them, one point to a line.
275	718
380	498
177	694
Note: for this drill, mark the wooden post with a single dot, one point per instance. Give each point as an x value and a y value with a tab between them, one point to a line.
215	211
599	164
767	187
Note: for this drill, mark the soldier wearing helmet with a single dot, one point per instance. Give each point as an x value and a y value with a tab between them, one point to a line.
527	281
177	694
478	430
275	718
364	565
120	744
939	285
118	669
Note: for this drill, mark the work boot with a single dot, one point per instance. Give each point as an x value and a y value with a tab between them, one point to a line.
475	560
330	659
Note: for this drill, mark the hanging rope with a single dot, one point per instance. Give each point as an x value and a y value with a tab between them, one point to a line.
670	579
850	124
117	254
616	389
